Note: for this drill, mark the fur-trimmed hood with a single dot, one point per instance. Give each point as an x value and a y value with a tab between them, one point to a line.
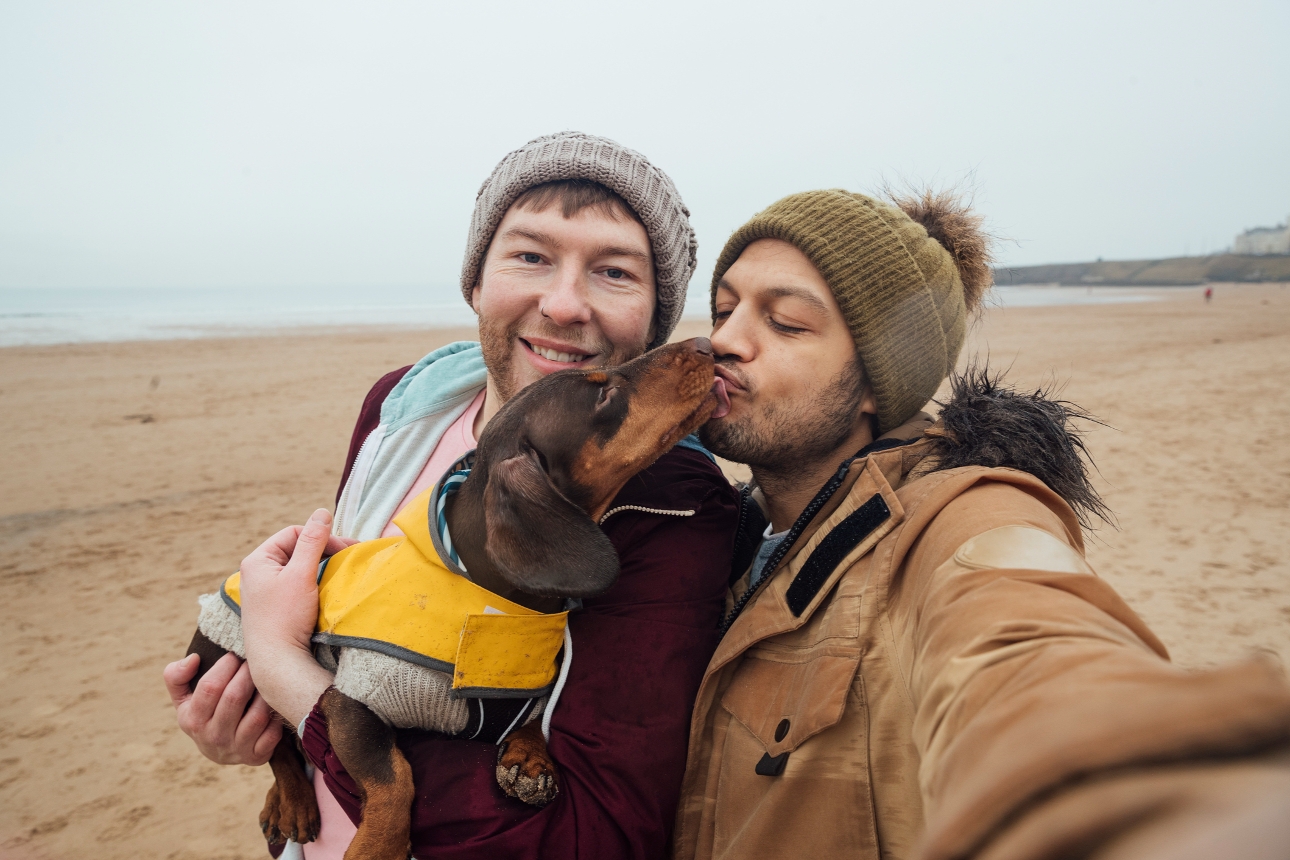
983	423
987	423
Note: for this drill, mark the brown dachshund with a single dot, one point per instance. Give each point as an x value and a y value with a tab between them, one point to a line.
525	525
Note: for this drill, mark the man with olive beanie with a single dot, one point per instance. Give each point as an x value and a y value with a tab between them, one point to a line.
917	660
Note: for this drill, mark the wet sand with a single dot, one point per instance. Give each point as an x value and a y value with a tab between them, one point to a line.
135	475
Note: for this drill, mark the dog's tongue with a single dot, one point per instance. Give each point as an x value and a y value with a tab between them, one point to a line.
723	399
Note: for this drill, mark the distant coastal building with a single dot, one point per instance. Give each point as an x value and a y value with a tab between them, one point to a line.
1264	240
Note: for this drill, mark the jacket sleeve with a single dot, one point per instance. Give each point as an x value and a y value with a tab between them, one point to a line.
1029	679
619	732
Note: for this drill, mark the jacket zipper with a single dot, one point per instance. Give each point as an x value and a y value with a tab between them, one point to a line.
826	492
821	498
609	513
357	481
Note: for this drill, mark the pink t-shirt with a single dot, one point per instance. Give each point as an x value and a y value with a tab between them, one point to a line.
335	830
456	441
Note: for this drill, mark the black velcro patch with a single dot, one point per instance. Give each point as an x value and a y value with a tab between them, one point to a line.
845	537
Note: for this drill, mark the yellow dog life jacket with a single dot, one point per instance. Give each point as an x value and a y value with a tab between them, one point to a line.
395	595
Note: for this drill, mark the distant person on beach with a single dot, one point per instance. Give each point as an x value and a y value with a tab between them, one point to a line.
579	255
918	661
1209	294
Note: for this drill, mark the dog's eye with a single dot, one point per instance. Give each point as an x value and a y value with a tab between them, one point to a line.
605	396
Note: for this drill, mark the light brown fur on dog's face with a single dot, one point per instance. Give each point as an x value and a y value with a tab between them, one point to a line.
663	396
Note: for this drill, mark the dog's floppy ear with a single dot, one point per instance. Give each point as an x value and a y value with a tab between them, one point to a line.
542	543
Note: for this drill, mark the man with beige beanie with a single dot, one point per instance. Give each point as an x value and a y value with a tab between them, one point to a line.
917	660
579	254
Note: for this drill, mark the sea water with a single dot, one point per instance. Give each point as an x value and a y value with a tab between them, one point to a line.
58	315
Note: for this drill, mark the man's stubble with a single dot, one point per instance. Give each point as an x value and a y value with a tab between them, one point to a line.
497	342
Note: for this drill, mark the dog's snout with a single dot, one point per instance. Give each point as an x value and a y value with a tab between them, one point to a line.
702	345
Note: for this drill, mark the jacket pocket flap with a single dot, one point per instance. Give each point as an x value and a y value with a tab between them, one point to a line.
784	702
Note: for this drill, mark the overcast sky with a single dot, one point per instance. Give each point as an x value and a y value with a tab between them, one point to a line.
316	143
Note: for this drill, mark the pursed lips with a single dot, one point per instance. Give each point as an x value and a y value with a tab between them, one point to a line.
733	382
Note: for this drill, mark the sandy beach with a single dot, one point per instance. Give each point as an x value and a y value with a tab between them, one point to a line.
136	475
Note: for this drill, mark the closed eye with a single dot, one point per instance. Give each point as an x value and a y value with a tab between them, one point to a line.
605	397
784	329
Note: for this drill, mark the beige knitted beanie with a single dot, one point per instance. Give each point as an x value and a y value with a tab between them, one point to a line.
573	155
905	294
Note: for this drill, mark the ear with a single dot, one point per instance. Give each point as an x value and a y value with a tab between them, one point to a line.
542	543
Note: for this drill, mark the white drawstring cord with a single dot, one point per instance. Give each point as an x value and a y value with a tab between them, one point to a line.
559	684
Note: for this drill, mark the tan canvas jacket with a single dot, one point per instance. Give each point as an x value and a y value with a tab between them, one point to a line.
958	683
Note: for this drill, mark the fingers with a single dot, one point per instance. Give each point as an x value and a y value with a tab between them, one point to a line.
232	705
178	675
335	544
263	742
278	547
312	541
258	732
206	696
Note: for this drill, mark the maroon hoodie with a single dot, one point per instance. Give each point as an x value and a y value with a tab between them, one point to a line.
619	731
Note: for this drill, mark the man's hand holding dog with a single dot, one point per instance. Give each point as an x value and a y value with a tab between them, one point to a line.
228	720
279	611
226	717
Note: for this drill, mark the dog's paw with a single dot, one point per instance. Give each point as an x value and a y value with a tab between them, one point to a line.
290	815
526	772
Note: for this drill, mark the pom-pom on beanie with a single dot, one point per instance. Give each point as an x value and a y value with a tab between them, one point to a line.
574	155
906	276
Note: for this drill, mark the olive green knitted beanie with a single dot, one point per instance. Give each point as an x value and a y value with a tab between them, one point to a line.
901	291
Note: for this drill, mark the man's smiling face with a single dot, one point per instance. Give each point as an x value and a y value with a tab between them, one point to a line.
558	292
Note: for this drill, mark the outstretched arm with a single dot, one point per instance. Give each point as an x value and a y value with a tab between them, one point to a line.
1049	721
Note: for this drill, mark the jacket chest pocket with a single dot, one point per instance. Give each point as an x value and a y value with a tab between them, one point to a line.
783	697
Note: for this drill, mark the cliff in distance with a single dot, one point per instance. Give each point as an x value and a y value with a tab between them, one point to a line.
1172	272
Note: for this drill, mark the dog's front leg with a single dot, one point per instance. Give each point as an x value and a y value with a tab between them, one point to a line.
524	766
365	746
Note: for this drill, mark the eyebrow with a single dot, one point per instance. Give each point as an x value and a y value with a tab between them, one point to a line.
548	239
534	235
616	251
805	296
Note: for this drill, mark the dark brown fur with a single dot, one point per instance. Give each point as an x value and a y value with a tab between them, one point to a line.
987	423
525	525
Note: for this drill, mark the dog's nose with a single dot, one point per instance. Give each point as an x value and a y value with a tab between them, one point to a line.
702	346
